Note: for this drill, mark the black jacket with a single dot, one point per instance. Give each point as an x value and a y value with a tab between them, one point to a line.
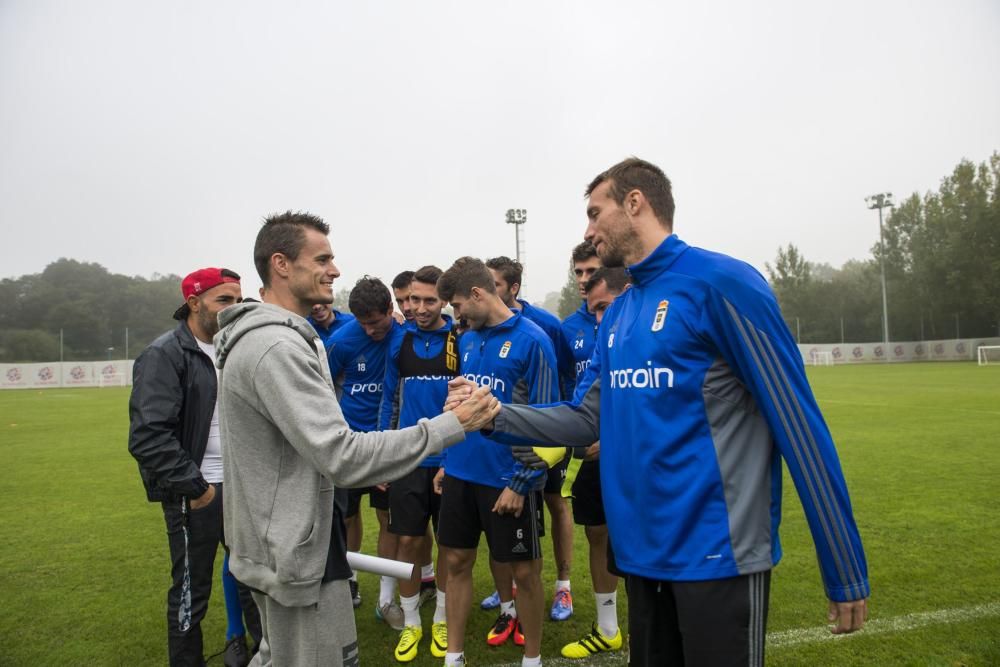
174	387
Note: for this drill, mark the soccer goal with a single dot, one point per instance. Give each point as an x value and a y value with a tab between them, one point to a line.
820	358
988	354
112	380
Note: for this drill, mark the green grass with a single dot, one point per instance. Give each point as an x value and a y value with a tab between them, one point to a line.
84	568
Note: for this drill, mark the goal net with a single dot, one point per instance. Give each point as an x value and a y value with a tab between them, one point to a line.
988	354
820	358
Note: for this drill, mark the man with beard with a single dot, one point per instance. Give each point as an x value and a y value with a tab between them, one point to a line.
507	274
174	436
697	392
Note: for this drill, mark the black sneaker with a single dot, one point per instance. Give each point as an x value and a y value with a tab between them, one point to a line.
355	593
236	654
428	591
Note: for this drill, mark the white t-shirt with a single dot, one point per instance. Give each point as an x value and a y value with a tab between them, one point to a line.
211	465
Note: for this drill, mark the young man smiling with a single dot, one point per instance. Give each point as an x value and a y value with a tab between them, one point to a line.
286	444
483	489
420	363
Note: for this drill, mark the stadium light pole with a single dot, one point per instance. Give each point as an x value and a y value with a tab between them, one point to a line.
880	201
517	217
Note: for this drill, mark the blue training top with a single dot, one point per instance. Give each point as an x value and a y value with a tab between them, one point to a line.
579	330
697	390
357	366
515	359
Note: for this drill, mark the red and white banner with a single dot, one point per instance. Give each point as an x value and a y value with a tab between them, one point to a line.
67	374
963	349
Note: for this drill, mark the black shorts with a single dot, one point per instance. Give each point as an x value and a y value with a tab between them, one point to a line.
467	511
377	499
556	477
588	503
412	503
716	622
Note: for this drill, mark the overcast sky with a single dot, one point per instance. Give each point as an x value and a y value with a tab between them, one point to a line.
155	136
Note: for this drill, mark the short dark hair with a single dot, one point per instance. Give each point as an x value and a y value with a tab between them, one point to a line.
369	297
647	178
402	279
464	274
583	251
615	277
284	233
428	275
511	270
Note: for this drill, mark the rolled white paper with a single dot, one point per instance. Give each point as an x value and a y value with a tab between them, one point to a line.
380	566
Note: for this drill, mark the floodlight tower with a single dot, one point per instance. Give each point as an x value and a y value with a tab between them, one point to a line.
880	201
517	217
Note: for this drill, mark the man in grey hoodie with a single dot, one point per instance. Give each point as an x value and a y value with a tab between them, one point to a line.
286	444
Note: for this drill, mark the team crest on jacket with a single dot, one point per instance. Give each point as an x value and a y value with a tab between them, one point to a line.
505	350
661	315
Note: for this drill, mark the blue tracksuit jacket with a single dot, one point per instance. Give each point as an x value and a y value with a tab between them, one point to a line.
339	320
515	359
550	324
357	366
579	331
696	391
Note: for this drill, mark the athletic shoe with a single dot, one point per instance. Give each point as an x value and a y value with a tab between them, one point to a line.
593	643
391	614
491	601
562	605
355	593
518	633
428	591
501	630
409	639
439	639
236	654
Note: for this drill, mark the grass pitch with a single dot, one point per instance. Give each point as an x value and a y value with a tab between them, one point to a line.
84	568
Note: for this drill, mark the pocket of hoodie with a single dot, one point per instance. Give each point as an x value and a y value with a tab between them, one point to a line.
311	553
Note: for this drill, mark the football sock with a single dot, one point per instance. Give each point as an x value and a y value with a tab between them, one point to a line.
607	613
386	590
439	615
234	610
411	613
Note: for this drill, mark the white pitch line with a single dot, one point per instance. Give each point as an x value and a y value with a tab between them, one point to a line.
786	638
878	626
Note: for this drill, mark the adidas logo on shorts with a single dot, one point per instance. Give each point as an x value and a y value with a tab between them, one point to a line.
519	548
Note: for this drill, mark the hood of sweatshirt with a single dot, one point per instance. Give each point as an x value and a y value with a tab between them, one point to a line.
236	321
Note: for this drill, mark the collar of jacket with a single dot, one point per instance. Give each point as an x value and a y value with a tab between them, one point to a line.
658	261
185	337
508	323
583	312
413	328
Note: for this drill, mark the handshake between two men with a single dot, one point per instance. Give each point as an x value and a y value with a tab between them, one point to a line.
476	408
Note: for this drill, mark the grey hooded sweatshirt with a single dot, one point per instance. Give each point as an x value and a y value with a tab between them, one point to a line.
285	444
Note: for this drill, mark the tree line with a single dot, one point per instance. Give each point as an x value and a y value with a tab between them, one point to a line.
942	266
91	306
942	270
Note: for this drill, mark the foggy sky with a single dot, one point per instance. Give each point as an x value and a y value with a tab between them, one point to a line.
154	137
